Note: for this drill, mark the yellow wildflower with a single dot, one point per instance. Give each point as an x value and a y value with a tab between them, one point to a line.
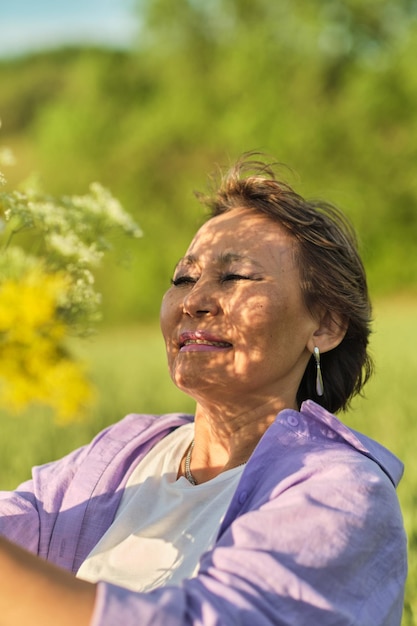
34	364
47	295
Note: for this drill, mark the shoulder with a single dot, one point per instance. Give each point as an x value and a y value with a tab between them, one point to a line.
319	434
310	455
316	516
310	485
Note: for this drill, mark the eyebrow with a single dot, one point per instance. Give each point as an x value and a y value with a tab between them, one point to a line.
223	259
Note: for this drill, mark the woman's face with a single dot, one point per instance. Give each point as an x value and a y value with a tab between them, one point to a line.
234	320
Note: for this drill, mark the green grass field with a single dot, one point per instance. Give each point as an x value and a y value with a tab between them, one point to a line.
129	368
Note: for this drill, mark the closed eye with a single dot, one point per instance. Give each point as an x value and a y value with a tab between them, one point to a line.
183	280
230	277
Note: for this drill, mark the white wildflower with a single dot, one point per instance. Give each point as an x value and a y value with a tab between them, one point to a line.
70	235
100	202
70	245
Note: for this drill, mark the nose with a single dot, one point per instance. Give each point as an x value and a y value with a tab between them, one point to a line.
201	300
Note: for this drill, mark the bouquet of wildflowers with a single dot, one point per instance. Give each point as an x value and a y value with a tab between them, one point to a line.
49	248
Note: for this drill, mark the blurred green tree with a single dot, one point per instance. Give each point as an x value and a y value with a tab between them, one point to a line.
327	87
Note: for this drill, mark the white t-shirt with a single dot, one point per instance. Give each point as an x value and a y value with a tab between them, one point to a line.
163	525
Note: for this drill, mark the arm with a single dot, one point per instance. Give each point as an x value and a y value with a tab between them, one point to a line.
35	592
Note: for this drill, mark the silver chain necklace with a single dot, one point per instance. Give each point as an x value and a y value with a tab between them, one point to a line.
188	474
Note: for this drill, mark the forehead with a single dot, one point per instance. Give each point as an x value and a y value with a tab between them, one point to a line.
239	234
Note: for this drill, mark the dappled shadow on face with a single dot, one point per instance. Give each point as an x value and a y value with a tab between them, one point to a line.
239	283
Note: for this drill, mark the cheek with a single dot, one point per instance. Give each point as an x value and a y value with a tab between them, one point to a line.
257	325
260	316
266	326
168	314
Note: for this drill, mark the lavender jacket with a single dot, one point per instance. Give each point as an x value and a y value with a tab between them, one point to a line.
313	535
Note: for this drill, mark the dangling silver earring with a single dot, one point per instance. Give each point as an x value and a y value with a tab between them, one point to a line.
319	377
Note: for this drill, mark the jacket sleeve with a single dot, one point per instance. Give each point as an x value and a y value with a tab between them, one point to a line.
28	514
325	545
48	509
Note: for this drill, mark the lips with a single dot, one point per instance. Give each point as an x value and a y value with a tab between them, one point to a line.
200	341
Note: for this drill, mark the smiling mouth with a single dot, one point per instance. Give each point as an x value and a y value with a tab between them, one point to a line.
202	345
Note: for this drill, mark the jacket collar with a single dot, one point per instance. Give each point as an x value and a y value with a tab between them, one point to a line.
388	462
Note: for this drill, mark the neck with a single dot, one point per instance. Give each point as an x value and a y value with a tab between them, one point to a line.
232	425
223	441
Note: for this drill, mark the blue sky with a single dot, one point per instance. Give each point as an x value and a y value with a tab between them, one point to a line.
27	25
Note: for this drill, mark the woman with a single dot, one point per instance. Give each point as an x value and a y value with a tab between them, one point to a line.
262	509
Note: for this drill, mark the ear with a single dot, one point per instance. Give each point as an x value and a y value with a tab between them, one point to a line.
329	333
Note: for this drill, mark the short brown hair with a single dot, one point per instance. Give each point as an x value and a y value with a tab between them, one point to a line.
332	274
